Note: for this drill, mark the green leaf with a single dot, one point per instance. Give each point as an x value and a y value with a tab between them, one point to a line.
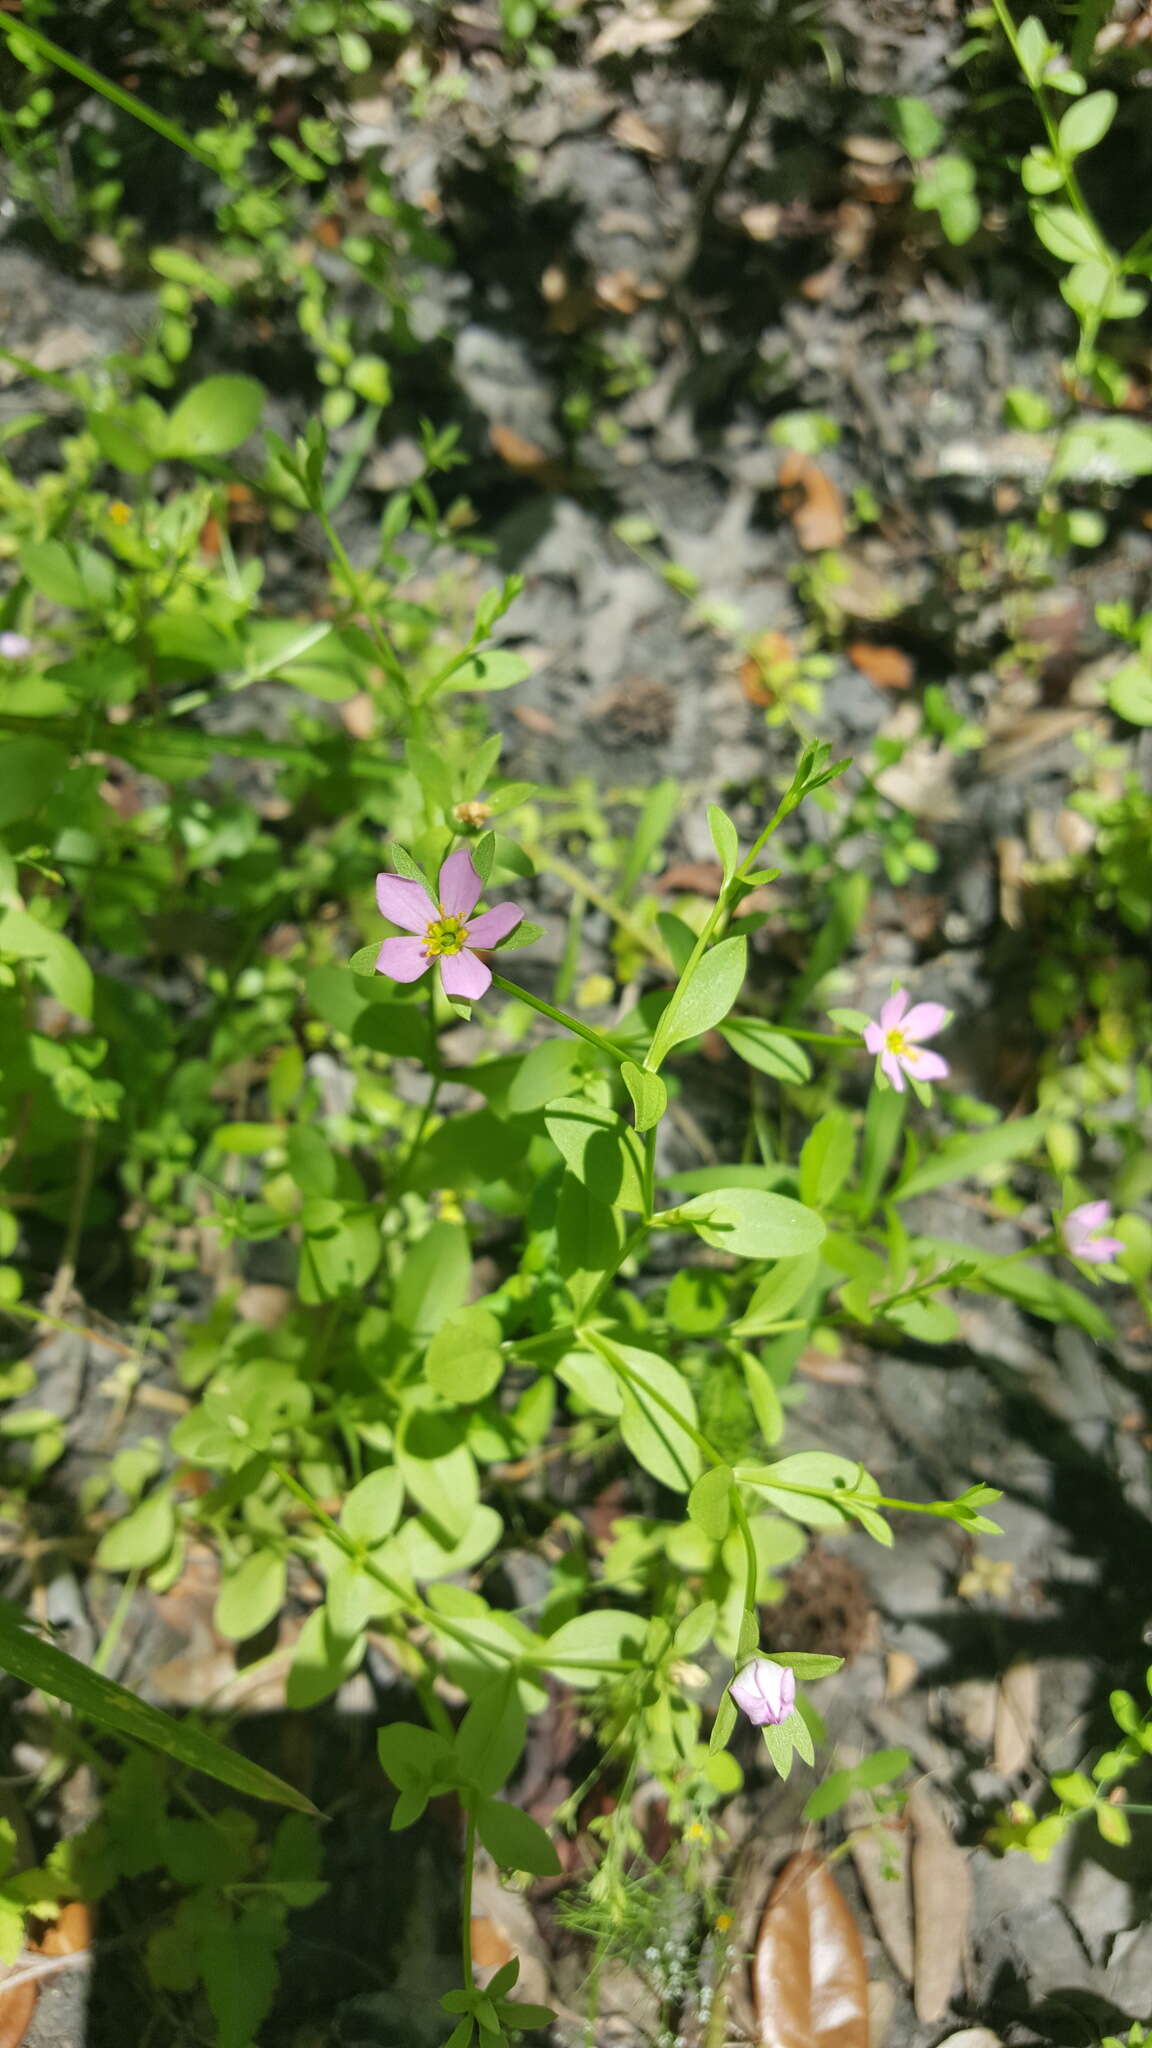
438	1467
725	839
237	1957
598	1147
915	126
110	1706
962	1156
764	1396
499	669
434	1280
1040	173
215	417
464	1360
75	576
583	1650
727	1714
1104	450
1034	49
1130	692
826	1158
769	1051
1087	122
589	1235
751	1223
704	1000
142	1538
490	1738
656	1437
372	1509
321	1661
30	770
777	1294
649	1095
710	1502
1062	231
251	1597
514	1840
60	965
413	1758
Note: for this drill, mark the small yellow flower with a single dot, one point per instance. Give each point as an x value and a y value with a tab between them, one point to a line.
723	1922
119	513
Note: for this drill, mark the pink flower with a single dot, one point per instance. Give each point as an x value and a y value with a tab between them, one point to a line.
764	1690
897	1035
1081	1232
447	931
14	646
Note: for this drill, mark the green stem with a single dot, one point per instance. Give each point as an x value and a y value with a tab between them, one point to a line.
751	1561
585	1031
466	1902
126	101
355	585
610	1356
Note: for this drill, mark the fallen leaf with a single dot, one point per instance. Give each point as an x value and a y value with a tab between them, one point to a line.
881	1858
769	667
634	132
539	722
814	504
941	1902
516	450
888	668
645	27
16	2009
809	1977
1017	1714
700	877
901	1673
618	291
762	222
69	1932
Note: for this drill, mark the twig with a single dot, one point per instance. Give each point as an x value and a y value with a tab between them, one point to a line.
47	1966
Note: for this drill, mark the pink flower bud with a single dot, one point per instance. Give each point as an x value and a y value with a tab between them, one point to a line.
764	1690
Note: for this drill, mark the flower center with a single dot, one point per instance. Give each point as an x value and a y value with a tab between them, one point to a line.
447	935
898	1046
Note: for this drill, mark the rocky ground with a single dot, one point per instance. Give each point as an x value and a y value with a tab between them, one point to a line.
701	246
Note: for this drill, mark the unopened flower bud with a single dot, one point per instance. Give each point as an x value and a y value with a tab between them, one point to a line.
765	1691
472	814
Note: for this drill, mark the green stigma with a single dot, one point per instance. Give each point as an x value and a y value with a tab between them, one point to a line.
447	935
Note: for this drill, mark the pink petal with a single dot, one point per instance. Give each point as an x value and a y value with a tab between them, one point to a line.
890	1065
893	1010
927	1066
493	925
460	885
406	903
1096	1252
403	959
1111	1246
464	976
1091	1215
874	1038
924	1020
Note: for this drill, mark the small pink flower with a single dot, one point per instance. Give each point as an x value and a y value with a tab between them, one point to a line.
764	1690
897	1038
15	646
1081	1231
447	931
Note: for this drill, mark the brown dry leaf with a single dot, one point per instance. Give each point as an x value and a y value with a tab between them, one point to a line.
699	877
771	663
618	291
814	504
901	1672
877	1852
888	668
16	2009
1011	857
809	1977
516	450
941	1899
69	1932
645	27
1017	1715
631	129
503	1926
540	722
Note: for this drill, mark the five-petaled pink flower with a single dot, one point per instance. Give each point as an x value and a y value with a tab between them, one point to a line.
1083	1233
765	1691
447	931
897	1038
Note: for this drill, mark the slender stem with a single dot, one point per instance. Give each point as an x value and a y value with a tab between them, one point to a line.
466	1902
751	1561
555	864
355	583
585	1031
82	1187
126	101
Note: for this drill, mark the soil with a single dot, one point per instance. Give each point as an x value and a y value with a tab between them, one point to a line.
728	244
